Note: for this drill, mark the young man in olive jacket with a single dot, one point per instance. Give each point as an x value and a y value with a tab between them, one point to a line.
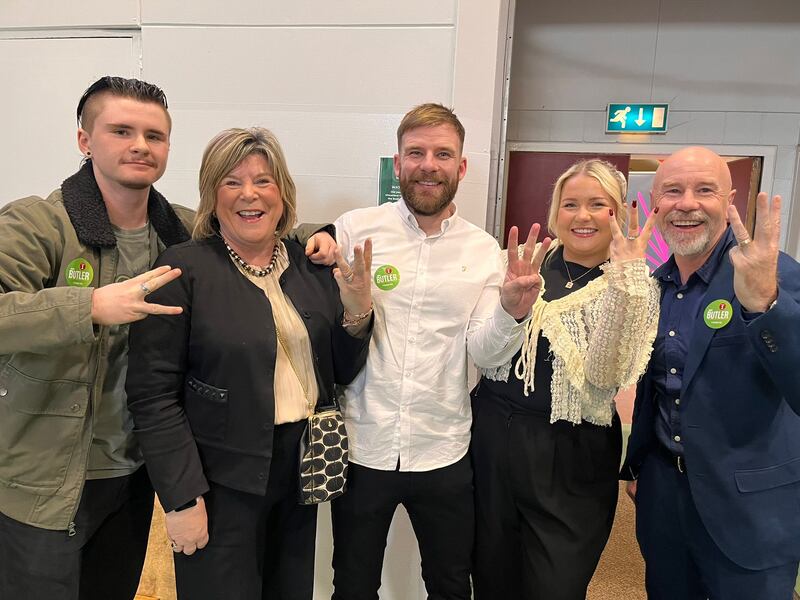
75	501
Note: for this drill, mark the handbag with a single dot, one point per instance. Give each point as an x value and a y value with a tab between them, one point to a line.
323	457
323	450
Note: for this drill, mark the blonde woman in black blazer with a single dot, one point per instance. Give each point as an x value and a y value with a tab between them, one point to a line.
219	402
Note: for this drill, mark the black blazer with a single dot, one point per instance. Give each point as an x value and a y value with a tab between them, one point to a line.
200	385
740	406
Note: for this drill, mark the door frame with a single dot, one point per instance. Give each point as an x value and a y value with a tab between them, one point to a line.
767	171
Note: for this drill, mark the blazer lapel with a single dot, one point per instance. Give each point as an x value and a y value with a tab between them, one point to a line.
721	287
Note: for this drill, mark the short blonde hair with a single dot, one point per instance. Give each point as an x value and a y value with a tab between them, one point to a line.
430	115
610	179
222	155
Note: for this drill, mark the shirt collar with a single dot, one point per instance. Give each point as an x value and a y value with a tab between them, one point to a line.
409	217
669	270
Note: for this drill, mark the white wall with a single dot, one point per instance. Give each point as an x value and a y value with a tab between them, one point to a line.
332	79
728	69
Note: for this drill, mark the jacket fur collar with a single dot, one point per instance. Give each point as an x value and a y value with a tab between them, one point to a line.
87	212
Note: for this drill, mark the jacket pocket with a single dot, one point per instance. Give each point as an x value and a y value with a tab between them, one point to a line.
728	340
756	480
41	423
207	409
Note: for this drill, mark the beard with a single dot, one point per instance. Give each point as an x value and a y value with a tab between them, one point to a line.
428	202
690	244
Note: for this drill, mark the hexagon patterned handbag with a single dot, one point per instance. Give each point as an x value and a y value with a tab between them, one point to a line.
323	447
323	457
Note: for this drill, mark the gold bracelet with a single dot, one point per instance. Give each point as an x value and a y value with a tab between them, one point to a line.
349	320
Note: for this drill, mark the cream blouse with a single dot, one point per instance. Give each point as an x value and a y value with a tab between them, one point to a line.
291	403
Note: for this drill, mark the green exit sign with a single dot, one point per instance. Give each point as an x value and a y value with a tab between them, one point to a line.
637	118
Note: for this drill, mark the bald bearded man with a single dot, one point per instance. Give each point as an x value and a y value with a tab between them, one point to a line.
714	453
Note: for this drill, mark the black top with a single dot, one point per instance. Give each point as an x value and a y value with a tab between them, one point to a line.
508	396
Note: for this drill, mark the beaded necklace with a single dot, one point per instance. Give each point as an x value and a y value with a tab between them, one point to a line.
254	271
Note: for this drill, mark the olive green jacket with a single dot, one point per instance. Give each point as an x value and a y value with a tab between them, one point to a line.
53	252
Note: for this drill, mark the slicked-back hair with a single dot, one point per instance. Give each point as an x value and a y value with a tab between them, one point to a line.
223	154
610	179
135	89
429	115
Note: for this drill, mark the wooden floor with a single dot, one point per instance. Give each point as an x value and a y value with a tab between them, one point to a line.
619	575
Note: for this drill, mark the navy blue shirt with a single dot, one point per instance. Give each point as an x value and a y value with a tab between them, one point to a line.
680	309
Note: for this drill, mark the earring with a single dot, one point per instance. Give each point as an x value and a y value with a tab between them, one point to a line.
88	154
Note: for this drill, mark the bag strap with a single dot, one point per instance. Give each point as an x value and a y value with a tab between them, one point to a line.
285	347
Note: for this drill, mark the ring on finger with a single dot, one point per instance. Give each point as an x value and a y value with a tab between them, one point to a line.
145	289
349	277
175	547
633	237
744	242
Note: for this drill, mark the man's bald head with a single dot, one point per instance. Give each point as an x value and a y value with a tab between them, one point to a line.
693	158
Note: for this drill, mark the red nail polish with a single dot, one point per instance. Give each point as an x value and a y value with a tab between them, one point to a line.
655	210
610	212
633	204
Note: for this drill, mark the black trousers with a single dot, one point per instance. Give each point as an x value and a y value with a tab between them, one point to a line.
102	561
439	504
682	560
260	547
545	497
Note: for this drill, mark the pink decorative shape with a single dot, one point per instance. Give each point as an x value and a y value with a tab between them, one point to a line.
656	243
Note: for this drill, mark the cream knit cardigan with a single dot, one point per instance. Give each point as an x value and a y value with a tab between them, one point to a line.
601	337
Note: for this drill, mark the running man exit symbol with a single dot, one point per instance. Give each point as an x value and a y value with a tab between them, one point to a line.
636	118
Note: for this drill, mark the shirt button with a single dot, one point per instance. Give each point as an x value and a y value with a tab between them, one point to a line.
679	296
677	438
677	401
75	408
673	370
408	373
671	334
412	340
262	475
3	392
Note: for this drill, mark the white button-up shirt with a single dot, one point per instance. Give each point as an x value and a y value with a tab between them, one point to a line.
411	400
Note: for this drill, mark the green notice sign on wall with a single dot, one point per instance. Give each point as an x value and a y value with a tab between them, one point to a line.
388	184
637	118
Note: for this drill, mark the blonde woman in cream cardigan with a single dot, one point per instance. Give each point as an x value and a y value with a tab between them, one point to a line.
546	439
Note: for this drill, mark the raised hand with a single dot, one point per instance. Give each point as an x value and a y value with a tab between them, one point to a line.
523	282
355	288
755	261
321	248
188	529
634	245
124	302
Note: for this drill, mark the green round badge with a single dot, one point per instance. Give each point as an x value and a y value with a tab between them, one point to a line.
79	273
718	314
387	277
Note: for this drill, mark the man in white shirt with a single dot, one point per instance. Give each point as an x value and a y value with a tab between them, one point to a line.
439	293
